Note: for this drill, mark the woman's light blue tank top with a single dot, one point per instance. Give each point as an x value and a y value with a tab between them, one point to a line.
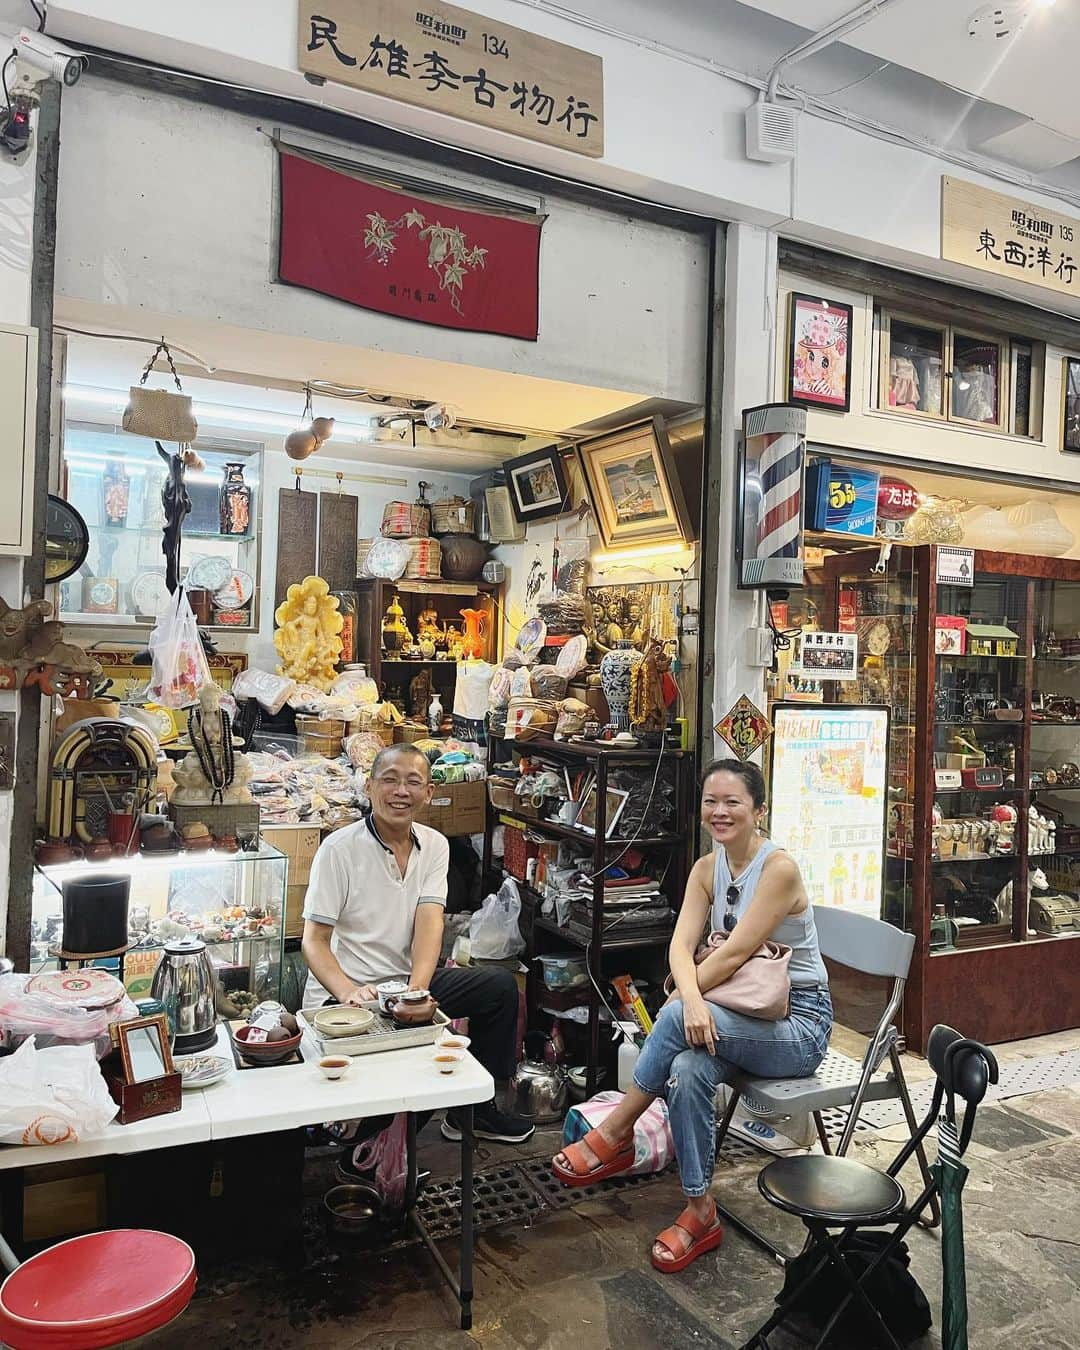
796	931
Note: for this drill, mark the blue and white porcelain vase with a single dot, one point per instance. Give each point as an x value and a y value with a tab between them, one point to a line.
616	669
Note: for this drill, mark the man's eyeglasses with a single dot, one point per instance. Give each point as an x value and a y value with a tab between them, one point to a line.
730	917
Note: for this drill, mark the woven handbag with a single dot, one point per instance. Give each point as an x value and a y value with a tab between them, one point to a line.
158	413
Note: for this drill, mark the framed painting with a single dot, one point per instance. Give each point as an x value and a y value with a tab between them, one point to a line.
537	483
1070	405
635	491
819	353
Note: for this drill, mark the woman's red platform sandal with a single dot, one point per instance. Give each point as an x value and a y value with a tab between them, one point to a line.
614	1158
687	1239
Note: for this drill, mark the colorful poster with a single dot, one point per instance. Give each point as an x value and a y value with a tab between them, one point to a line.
828	802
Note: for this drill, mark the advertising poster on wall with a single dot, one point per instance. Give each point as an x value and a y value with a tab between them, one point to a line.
828	800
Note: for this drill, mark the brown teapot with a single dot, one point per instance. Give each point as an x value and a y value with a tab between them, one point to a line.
409	1010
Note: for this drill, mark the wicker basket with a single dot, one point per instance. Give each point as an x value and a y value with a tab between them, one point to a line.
425	561
501	795
405	733
527	718
404	520
453	515
362	547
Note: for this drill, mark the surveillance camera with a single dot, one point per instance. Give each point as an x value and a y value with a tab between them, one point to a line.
46	55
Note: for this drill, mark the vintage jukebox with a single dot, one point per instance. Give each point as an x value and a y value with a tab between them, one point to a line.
97	761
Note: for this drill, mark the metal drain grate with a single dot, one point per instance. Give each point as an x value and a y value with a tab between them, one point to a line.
1018	1078
500	1195
557	1196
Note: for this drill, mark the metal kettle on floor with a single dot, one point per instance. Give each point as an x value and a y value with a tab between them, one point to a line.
539	1090
184	982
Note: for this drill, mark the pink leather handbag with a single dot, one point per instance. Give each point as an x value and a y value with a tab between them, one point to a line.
761	987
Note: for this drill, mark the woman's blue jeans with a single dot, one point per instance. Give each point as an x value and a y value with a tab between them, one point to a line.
687	1077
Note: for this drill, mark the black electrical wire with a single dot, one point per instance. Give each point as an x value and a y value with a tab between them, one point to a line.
41	13
3	79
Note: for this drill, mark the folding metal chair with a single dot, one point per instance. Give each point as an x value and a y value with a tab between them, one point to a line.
830	1192
872	948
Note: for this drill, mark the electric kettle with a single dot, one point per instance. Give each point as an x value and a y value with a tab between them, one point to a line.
539	1092
184	982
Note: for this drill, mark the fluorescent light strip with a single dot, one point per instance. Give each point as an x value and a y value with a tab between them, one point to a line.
646	551
221	414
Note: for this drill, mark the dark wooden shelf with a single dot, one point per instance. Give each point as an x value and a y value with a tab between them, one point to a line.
559	831
541	745
609	941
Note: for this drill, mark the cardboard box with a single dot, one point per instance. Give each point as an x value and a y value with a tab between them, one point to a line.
455	809
299	843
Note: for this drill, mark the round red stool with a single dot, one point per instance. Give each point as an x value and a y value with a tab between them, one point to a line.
95	1291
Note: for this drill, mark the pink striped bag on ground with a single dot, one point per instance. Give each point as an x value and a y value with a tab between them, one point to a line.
654	1147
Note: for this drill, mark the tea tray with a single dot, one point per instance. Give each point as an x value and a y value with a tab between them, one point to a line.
383	1034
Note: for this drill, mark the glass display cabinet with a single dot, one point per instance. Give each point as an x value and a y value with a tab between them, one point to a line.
233	901
114	480
981	674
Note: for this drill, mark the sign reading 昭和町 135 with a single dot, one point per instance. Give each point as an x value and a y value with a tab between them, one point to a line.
460	63
1009	237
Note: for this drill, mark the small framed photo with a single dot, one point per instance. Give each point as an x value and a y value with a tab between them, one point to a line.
1070	405
537	483
143	1043
819	353
586	816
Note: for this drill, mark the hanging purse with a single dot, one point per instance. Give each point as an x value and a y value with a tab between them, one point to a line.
761	987
158	413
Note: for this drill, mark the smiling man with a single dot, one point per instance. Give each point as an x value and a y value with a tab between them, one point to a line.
374	911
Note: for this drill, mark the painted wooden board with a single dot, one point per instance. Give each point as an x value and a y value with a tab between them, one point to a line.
337	539
297	514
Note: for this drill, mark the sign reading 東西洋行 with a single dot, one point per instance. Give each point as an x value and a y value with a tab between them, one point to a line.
1009	237
457	62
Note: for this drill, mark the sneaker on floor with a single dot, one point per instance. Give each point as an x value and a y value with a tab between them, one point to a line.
490	1123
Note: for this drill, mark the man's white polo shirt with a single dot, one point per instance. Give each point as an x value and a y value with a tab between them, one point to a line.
357	888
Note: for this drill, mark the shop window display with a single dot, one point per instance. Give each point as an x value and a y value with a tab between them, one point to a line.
114	480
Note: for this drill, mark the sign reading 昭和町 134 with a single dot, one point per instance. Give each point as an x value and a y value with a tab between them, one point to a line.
1009	237
460	63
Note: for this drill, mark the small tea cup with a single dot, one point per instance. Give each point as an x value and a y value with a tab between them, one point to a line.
451	1040
334	1066
447	1060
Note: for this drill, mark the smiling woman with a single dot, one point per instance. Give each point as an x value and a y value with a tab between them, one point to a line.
748	892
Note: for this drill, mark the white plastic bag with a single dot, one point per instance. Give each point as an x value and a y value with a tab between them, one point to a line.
494	934
471	689
180	667
271	691
54	1096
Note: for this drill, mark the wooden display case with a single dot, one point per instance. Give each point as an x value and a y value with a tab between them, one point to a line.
984	781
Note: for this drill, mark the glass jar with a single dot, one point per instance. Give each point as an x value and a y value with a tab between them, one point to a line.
117	489
235	500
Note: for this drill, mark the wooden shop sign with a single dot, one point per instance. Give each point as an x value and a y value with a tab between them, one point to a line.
460	63
1009	237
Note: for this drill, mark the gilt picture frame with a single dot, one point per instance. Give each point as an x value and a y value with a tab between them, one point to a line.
634	488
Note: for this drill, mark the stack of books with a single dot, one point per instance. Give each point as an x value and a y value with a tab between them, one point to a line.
631	906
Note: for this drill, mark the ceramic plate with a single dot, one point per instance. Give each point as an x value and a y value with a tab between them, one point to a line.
148	593
236	592
572	656
531	638
209	572
199	1071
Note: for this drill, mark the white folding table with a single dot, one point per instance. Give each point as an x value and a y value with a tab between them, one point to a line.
269	1099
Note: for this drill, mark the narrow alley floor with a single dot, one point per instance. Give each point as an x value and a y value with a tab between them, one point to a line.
578	1274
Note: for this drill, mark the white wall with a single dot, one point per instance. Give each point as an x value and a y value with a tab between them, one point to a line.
674	127
173	209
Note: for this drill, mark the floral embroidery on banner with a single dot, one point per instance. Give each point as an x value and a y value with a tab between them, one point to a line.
449	255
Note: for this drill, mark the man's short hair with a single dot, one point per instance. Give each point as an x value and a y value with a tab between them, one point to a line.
389	751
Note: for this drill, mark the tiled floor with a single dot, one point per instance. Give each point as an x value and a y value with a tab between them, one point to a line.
578	1277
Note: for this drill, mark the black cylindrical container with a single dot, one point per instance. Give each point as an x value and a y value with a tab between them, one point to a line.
95	914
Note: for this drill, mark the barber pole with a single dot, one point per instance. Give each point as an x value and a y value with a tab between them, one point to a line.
772	467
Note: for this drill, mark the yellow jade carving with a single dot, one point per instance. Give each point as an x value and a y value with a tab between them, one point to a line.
308	637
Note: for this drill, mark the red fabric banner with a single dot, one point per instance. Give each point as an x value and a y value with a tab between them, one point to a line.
390	251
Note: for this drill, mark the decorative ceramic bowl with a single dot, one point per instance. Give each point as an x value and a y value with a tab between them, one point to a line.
264	1052
343	1021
